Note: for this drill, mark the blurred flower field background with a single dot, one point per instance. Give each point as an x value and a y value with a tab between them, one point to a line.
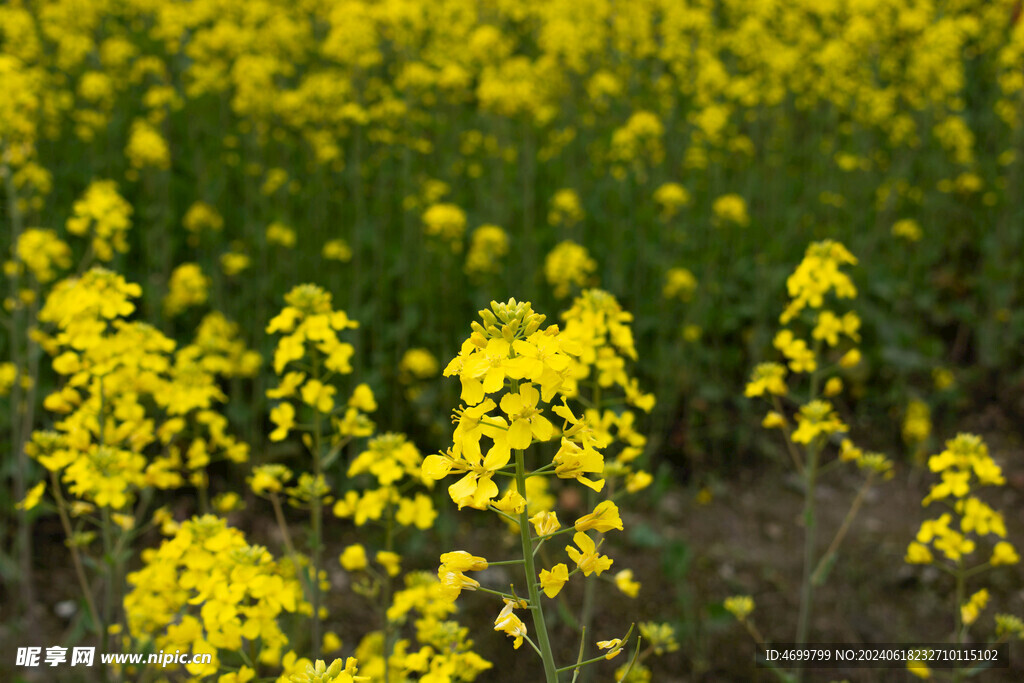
752	366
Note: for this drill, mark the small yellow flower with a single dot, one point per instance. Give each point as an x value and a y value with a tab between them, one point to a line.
1009	625
566	209
614	646
337	250
551	582
740	606
907	229
731	208
638	481
625	583
815	419
331	642
919	669
604	518
850	359
680	284
545	522
1004	553
269	478
353	558
971	609
510	624
33	497
589	560
671	197
417	364
282	415
280	235
318	395
362	399
390	561
767	378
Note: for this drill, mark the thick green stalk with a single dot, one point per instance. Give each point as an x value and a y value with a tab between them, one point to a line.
316	515
108	594
550	672
810	527
386	593
957	613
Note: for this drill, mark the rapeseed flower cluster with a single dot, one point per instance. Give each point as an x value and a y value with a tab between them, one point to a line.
488	245
964	466
917	427
967	525
831	336
680	283
566	209
730	209
318	77
447	222
188	287
308	356
599	380
445	650
569	266
42	253
819	343
512	370
113	370
202	218
133	414
394	463
207	589
105	215
671	197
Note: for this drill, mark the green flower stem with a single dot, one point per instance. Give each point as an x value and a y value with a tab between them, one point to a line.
76	557
532	644
810	527
386	626
632	662
961	627
819	573
289	546
579	657
569	529
316	520
503	596
550	673
960	592
514	520
204	497
108	558
583	663
787	432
